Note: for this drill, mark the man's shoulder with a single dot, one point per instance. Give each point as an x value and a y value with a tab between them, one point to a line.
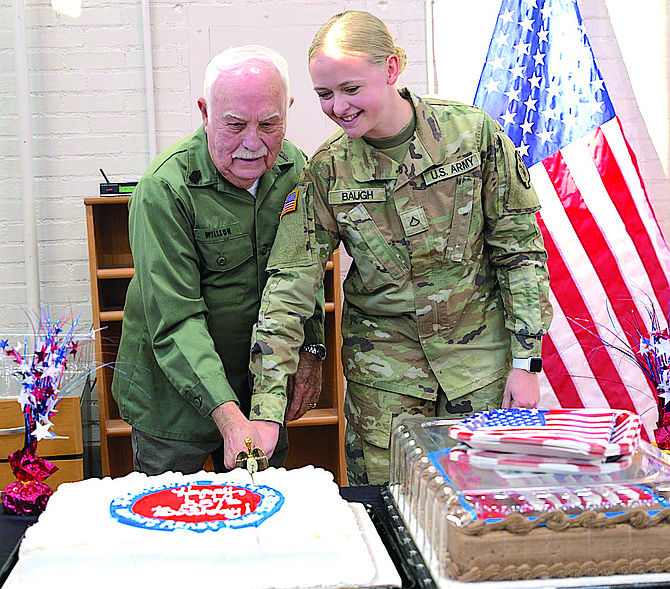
174	157
291	154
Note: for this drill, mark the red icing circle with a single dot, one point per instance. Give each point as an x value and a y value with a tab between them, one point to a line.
197	503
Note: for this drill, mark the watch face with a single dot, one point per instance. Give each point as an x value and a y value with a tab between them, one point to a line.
535	365
318	350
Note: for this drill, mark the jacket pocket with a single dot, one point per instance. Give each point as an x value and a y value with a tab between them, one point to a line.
376	261
460	224
218	258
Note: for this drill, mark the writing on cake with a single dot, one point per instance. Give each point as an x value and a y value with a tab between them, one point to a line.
200	506
198	503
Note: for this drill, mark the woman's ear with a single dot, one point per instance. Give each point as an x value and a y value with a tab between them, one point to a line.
392	69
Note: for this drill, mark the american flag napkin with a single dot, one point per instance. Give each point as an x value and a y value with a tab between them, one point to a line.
586	433
489	460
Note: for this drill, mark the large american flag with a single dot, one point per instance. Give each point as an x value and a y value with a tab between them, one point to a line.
608	262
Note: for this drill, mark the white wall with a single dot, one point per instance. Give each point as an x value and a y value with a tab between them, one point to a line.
89	105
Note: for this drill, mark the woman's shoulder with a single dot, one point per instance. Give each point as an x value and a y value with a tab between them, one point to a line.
459	116
337	143
452	107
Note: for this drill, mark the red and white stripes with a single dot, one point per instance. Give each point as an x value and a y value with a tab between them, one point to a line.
608	263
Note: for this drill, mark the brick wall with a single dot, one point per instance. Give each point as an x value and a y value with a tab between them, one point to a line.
89	111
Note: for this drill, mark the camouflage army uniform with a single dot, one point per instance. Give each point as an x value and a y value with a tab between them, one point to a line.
448	280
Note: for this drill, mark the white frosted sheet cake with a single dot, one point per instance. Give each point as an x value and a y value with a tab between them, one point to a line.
290	529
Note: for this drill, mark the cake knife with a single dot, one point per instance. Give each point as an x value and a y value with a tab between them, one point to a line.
253	460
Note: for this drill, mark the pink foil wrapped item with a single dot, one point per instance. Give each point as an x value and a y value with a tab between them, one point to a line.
663	417
662	436
29	494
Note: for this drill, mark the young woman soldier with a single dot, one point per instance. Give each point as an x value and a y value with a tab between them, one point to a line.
448	285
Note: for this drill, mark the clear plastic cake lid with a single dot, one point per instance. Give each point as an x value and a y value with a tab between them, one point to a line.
429	468
446	491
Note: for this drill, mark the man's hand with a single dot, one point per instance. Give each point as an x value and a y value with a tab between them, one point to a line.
269	432
235	427
304	386
522	389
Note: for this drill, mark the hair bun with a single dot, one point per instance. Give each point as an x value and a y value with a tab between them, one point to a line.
402	58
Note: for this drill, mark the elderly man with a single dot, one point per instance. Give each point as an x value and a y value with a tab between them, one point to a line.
202	222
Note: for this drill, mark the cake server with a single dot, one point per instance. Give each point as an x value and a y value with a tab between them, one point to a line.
253	460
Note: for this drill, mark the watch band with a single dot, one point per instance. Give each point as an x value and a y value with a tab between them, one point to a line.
318	350
528	364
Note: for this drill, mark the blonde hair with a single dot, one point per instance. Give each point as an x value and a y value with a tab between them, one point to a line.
233	57
356	31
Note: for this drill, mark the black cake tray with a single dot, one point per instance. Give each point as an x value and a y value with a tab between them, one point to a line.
414	573
391	528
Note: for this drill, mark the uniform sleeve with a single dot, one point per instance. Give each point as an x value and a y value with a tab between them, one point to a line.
515	242
314	333
306	238
166	266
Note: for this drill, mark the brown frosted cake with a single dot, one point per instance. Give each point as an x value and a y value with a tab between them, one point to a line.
473	522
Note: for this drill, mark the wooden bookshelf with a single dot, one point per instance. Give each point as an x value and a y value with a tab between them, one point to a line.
65	452
317	438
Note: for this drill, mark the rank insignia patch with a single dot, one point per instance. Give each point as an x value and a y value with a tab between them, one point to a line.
522	169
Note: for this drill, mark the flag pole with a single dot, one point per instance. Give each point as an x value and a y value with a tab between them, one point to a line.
31	256
430	49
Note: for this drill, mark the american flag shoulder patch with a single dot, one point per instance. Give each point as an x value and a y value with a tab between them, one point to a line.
290	203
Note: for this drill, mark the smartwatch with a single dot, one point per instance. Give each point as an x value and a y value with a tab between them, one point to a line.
528	364
318	350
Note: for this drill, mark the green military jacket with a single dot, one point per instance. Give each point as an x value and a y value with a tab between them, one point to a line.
200	246
448	279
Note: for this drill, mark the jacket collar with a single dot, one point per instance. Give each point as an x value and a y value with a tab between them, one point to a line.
426	149
201	170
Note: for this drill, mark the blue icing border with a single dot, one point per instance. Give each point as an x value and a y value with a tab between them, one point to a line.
271	502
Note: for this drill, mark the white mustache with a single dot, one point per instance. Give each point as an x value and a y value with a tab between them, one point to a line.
245	154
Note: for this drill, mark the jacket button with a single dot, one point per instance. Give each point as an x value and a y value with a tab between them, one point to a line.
264	250
197	401
222	260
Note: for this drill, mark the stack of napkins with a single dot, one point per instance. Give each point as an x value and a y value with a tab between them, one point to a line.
553	440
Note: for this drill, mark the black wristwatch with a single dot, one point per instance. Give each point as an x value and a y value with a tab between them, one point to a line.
318	350
528	364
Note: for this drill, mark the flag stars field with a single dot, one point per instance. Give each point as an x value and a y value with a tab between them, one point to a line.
607	257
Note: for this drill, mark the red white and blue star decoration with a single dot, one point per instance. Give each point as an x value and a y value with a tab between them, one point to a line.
40	372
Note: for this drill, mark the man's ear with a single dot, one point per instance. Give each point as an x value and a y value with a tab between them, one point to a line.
392	69
202	105
290	102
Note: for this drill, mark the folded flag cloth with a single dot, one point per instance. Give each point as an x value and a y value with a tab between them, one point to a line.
589	434
489	460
